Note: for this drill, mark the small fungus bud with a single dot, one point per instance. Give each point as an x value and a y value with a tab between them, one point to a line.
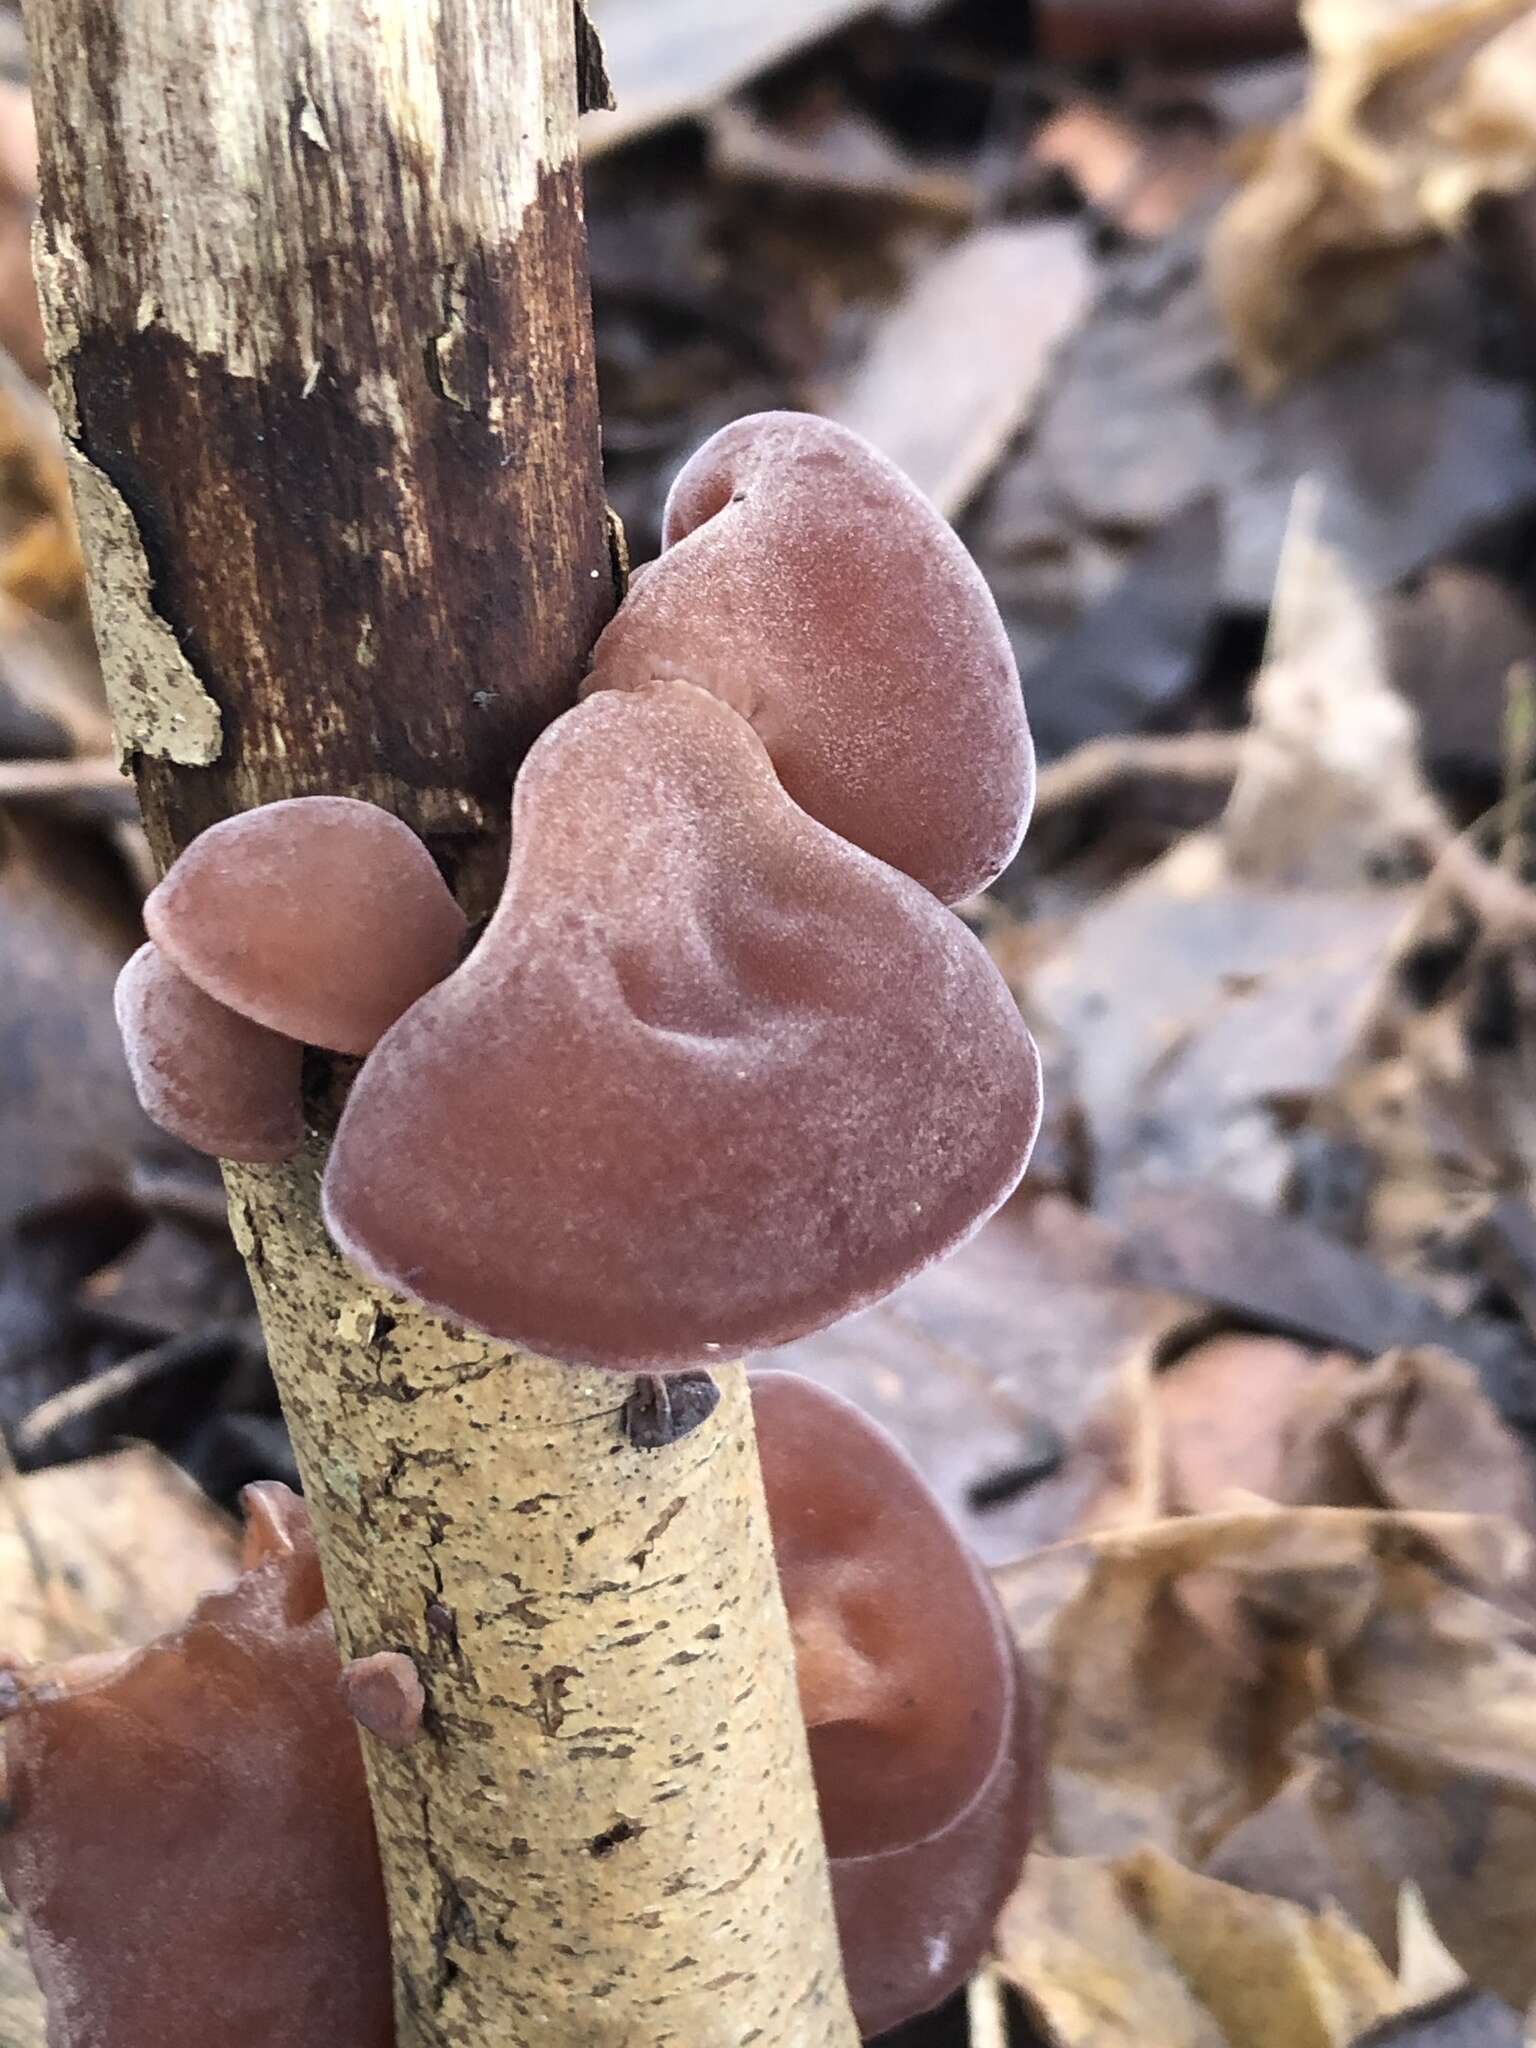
204	1073
320	917
907	1680
809	585
191	1849
384	1694
711	1079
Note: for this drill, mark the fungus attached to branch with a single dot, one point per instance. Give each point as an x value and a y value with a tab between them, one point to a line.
321	917
190	1841
919	1722
714	1076
916	1922
810	586
204	1073
906	1680
237	1895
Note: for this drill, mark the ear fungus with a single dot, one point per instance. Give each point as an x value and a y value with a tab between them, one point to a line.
715	1076
919	1722
320	917
207	1075
906	1682
234	1893
237	1895
915	1923
810	586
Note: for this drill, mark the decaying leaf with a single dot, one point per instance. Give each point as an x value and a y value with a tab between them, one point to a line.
1330	790
103	1554
985	1364
1204	1012
1122	1953
1417	109
68	1115
955	368
1276	1273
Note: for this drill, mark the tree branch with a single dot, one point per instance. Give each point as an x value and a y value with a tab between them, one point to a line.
315	281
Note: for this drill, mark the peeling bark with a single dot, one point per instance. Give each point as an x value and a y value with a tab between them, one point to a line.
315	283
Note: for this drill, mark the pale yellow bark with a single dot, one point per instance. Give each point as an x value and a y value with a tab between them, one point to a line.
605	1833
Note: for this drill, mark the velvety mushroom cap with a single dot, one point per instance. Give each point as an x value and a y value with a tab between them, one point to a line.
907	1681
915	1923
807	583
190	1841
320	917
711	1079
207	1075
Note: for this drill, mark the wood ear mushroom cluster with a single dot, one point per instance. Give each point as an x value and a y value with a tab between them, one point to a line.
237	1894
722	1067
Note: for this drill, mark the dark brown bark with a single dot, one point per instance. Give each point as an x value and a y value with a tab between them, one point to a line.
384	552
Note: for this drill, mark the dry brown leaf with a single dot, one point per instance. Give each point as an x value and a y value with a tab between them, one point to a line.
1226	1408
1330	791
1140	1951
1013	1338
955	368
1180	1661
1417	109
1204	1012
1414	1430
105	1553
40	562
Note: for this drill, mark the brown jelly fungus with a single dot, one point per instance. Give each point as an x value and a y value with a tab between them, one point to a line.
321	917
204	1073
191	1847
810	586
712	1078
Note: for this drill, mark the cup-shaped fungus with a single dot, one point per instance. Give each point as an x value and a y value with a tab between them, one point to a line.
712	1078
320	917
809	585
907	1679
190	1843
919	1722
203	1072
914	1923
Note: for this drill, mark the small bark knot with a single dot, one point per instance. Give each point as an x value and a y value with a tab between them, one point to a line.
385	1695
661	1410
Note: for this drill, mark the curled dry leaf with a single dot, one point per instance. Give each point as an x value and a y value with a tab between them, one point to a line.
1414	114
1118	1953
